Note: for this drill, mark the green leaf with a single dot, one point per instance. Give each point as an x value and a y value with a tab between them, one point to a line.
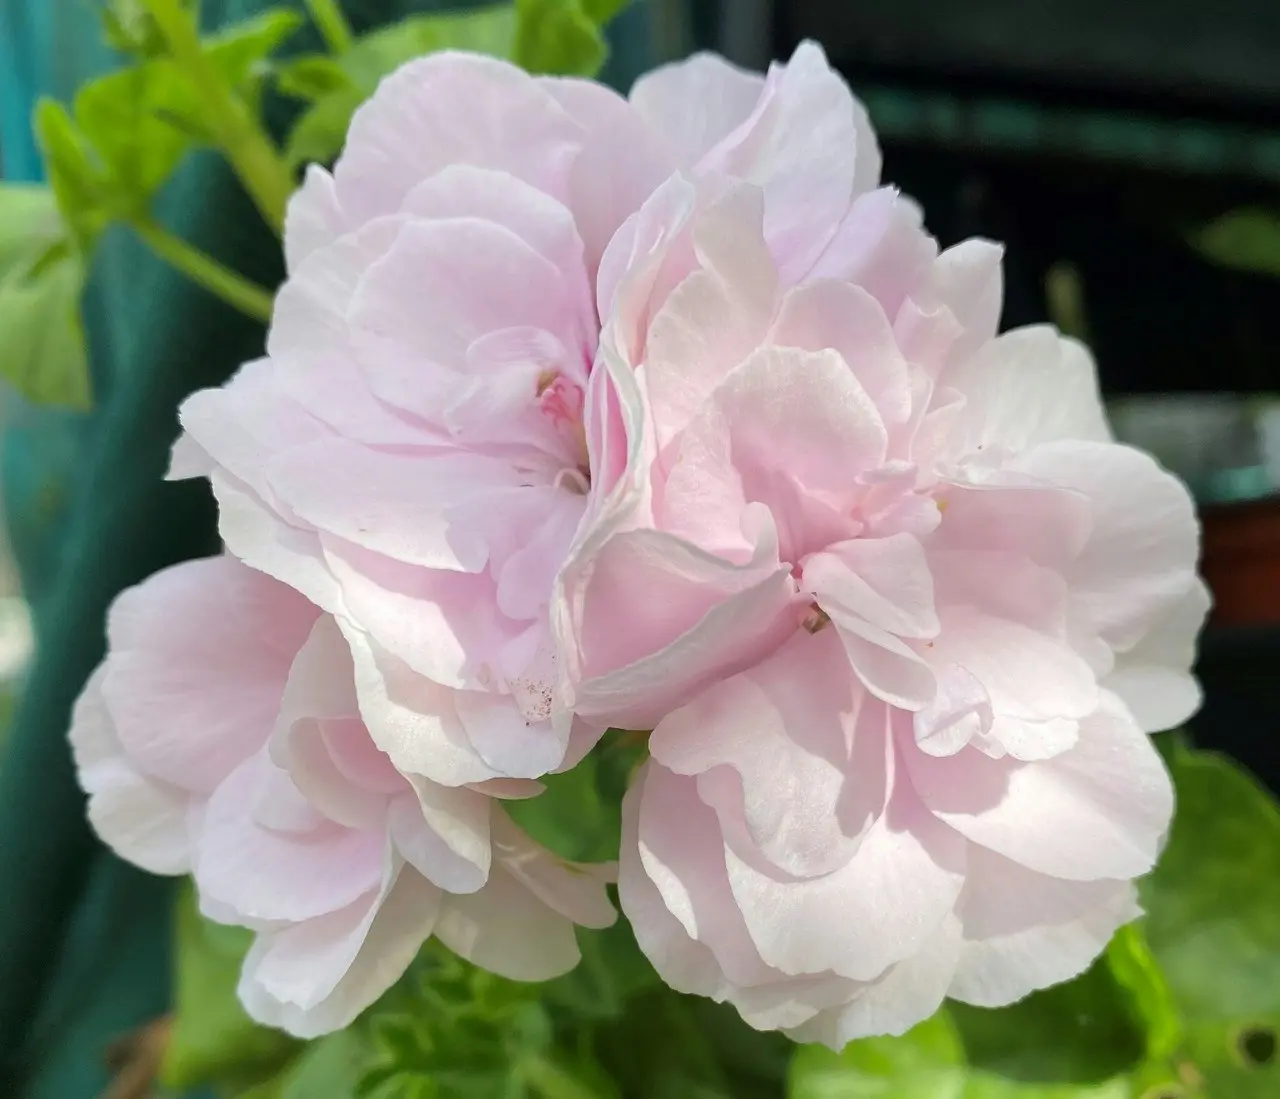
1136	970
312	77
1081	1031
29	224
240	53
1212	922
213	1040
77	185
1245	240
927	1062
42	350
122	115
612	971
574	816
558	37
327	1069
338	85
318	136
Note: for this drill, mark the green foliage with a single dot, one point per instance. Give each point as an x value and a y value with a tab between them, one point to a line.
41	341
1213	923
929	1062
1079	1032
213	1040
579	815
1245	240
558	37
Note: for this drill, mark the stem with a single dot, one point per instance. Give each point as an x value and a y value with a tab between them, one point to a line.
333	25
202	269
260	167
552	1082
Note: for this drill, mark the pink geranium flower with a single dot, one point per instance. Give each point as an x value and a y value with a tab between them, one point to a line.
897	608
417	450
221	738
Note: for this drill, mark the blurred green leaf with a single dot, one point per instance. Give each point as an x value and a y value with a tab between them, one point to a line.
42	350
612	971
1136	970
1079	1032
122	117
572	816
326	1069
928	1062
1245	240
213	1040
558	37
319	134
311	77
77	185
1213	923
336	86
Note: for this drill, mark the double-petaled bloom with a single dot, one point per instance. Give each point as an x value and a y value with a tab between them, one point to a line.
582	412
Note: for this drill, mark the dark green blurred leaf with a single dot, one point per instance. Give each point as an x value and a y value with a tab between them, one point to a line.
1213	920
572	817
337	86
311	77
213	1040
318	136
612	971
1151	1002
558	37
1078	1032
1245	240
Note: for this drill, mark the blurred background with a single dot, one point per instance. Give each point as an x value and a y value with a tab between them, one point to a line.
1128	155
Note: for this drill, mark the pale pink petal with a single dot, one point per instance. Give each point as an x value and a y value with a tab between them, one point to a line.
317	976
505	930
683	853
452	108
264	874
908	993
199	657
884	581
696	103
1141	556
443	833
1026	387
897	891
807	751
575	890
881	247
141	818
843	317
1154	678
810	147
1099	810
314	217
1025	931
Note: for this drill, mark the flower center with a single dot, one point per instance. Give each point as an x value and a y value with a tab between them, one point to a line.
561	402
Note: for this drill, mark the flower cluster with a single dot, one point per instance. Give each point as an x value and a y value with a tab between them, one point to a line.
660	413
